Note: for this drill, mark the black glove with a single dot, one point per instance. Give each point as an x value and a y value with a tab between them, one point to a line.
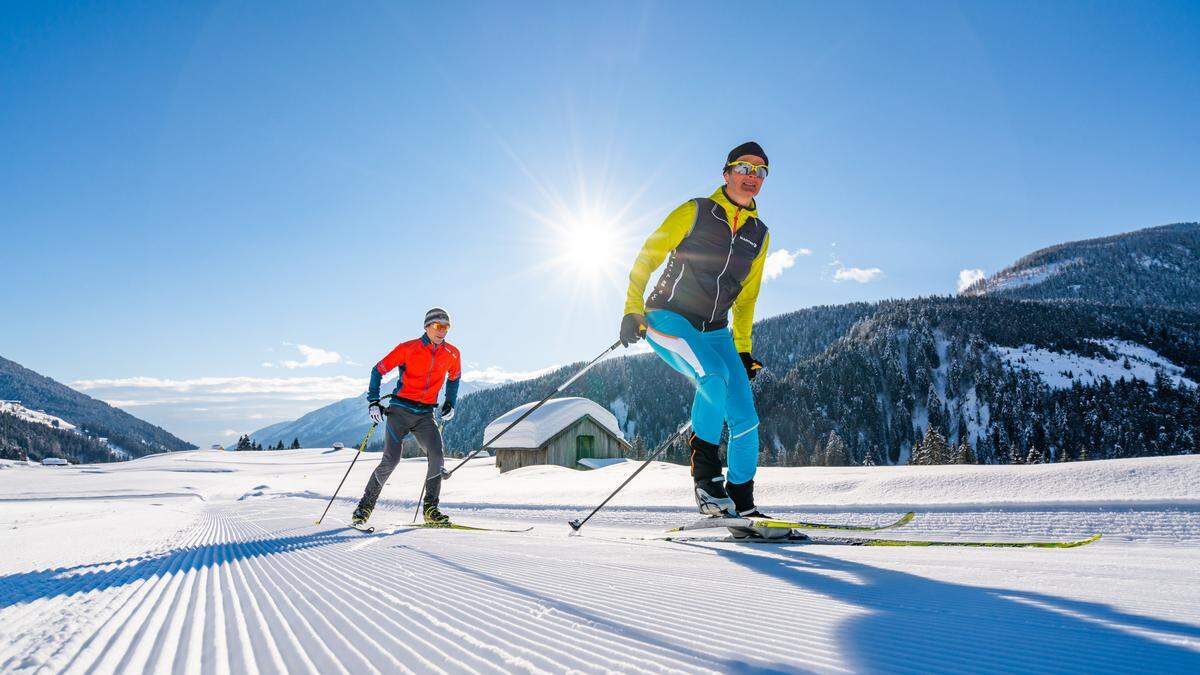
752	364
447	411
375	411
633	328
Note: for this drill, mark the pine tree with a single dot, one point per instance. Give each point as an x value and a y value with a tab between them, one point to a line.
295	443
936	450
1034	456
1014	455
917	456
965	455
962	435
934	406
836	453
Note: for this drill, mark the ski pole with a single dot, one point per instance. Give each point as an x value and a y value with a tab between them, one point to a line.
361	447
527	413
576	524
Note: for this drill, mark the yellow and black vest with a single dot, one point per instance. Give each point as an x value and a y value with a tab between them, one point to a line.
705	272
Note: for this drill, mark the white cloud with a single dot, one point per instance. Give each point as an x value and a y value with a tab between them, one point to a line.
968	277
150	390
780	260
268	364
313	356
858	274
230	432
495	375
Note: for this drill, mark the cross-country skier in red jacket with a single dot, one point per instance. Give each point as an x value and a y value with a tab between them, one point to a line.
424	363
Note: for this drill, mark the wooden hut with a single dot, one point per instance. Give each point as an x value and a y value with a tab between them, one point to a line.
562	432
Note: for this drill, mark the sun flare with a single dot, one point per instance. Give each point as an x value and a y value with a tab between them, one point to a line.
589	245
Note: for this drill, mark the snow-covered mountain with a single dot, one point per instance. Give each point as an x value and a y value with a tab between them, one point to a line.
15	409
1157	266
344	421
95	418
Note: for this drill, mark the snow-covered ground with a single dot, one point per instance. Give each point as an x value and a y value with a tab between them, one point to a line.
35	416
209	561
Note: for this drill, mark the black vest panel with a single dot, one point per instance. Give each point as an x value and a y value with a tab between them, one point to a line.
705	272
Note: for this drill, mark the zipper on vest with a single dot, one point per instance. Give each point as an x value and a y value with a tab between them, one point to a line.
732	239
682	267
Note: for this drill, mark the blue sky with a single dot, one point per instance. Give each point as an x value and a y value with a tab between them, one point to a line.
191	192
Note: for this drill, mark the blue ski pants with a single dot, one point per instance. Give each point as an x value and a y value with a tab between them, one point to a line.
723	395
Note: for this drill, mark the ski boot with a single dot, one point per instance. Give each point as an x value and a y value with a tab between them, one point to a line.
434	517
712	500
360	517
711	497
743	499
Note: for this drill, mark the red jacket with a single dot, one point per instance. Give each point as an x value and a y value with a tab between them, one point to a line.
423	367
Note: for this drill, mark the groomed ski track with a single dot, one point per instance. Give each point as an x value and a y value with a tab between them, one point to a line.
243	581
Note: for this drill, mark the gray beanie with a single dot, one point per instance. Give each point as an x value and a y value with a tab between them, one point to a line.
437	315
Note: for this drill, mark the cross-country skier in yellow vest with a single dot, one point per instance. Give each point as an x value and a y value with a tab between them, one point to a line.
717	246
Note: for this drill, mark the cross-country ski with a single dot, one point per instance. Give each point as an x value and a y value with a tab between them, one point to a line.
706	523
848	541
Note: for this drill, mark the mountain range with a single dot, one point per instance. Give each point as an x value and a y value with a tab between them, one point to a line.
125	435
1156	267
1085	350
344	421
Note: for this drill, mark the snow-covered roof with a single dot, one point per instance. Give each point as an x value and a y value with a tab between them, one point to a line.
556	415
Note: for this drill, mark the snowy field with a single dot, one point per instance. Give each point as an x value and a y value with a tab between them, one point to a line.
210	562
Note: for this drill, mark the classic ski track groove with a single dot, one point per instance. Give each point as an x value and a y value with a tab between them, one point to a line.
272	593
679	633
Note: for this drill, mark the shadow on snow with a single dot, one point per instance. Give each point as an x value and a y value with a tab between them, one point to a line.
26	587
916	623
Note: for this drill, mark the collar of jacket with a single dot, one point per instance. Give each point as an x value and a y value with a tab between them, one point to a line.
426	342
722	198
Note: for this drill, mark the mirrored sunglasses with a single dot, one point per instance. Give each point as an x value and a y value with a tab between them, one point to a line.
748	169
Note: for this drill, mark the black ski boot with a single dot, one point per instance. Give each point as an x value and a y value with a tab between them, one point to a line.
711	497
743	499
434	517
361	515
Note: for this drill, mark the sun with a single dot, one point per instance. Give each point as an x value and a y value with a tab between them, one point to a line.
588	245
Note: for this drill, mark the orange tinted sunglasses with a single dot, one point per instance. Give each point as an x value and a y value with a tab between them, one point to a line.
440	326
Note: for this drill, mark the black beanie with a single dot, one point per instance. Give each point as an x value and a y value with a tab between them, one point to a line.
747	148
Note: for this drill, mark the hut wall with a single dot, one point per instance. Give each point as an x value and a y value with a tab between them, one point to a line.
515	458
561	450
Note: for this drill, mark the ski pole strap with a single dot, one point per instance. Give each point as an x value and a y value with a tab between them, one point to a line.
539	404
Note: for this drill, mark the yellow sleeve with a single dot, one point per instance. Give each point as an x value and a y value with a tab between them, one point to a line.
743	307
654	251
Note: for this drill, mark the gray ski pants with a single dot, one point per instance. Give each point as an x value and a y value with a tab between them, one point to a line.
400	423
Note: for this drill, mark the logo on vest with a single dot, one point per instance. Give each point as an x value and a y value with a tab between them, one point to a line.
743	238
